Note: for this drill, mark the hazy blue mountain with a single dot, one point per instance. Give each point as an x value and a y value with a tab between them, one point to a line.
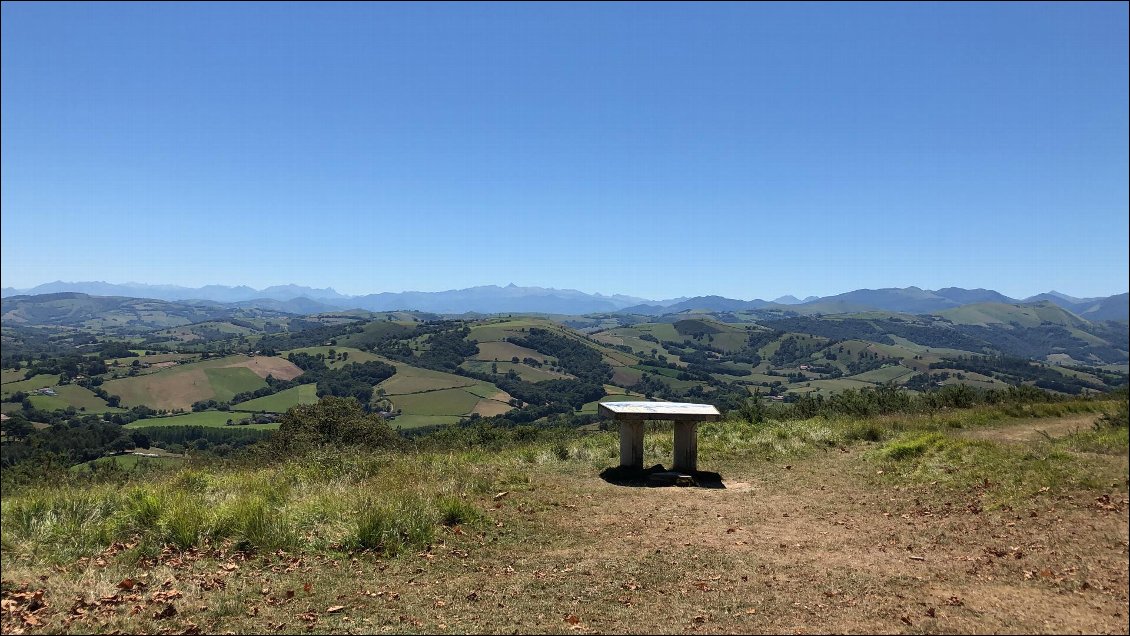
911	300
490	299
495	299
1115	307
76	309
217	293
970	296
793	300
1060	298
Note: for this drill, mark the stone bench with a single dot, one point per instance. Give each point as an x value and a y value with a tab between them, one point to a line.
685	415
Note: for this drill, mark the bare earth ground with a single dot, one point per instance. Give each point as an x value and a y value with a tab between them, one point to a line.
819	546
263	366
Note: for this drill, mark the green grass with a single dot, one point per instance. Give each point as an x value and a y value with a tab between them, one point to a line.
443	402
227	382
331	500
410	379
200	418
281	401
837	384
73	395
1002	474
885	374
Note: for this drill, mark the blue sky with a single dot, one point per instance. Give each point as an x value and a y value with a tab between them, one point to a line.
657	150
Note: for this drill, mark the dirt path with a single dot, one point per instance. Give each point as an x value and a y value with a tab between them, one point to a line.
1030	430
823	546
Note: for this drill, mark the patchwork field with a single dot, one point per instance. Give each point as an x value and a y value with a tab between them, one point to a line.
219	379
496	331
427	397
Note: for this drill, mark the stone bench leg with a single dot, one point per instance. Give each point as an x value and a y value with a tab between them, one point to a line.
686	446
631	445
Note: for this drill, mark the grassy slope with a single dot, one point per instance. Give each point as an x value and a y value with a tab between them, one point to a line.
281	401
181	385
36	382
945	524
69	395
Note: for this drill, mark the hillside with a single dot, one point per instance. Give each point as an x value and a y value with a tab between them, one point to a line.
493	299
985	519
112	313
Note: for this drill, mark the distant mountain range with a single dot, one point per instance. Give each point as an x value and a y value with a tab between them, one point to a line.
489	299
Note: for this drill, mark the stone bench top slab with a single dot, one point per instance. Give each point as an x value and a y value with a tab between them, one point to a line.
675	411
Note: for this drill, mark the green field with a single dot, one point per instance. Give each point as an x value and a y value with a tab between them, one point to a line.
227	382
524	371
41	381
281	401
74	395
837	384
410	379
201	418
505	351
885	374
456	402
12	375
178	387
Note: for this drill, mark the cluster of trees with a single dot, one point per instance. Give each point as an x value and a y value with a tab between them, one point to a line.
72	441
792	350
889	399
67	367
1017	370
572	355
354	380
446	350
220	440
